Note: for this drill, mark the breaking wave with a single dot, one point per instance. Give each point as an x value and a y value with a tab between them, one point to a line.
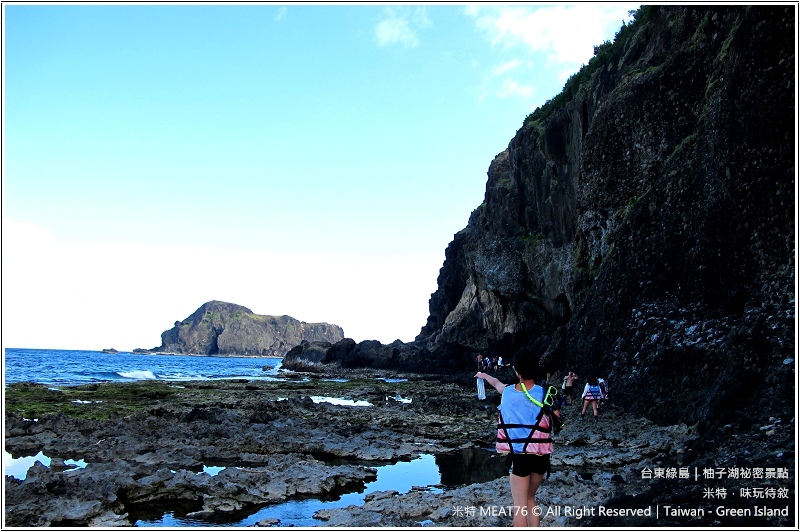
140	374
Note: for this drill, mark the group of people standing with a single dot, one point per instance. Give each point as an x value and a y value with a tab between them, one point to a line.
525	425
595	392
487	363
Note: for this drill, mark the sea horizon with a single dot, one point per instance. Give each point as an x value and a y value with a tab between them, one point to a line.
136	351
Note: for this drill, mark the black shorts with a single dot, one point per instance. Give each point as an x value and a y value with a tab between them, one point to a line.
523	465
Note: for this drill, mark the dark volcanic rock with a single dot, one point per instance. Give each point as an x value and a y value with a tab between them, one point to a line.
283	449
280	444
640	224
640	227
219	328
314	356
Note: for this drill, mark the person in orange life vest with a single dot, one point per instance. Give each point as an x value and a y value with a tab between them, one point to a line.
592	393
524	431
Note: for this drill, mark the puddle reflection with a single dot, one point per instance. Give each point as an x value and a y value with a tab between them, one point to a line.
18	467
339	401
434	472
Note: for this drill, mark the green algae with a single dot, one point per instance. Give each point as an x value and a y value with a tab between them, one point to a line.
89	401
102	401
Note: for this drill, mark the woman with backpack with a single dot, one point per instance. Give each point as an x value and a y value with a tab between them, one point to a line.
524	432
592	393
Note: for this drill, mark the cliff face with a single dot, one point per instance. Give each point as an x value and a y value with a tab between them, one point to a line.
219	328
640	225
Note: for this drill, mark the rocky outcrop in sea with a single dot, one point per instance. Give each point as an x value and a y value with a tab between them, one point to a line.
347	354
226	329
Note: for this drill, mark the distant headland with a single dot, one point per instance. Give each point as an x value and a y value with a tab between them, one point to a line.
226	329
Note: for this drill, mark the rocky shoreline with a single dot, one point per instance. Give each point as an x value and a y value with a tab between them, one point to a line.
146	443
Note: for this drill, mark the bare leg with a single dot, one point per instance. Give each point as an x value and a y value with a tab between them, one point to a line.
533	511
523	493
519	495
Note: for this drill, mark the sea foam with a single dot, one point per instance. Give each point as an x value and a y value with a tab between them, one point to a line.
139	374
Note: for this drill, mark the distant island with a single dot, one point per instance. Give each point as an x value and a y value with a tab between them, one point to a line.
218	328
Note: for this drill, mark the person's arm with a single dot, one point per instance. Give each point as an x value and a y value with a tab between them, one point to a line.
494	381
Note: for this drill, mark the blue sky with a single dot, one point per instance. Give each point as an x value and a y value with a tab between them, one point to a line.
310	160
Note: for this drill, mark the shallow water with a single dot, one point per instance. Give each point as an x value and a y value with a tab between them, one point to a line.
429	471
339	401
434	472
18	467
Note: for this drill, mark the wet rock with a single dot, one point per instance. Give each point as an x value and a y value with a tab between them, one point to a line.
309	449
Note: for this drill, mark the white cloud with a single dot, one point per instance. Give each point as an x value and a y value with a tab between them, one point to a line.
551	40
566	33
513	88
421	18
395	31
92	295
401	26
281	13
506	67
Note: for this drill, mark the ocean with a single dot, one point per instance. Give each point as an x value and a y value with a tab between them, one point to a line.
68	368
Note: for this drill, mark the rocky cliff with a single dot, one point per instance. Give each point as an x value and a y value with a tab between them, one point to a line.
639	226
221	329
